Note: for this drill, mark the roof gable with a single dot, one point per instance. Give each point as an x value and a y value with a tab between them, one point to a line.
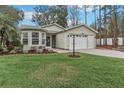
83	26
68	29
51	25
27	27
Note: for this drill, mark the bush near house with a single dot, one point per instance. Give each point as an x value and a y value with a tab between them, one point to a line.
45	51
1	48
9	18
10	47
32	50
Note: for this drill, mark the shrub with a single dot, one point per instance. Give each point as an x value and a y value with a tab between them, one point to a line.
20	50
32	50
10	47
16	42
1	48
45	51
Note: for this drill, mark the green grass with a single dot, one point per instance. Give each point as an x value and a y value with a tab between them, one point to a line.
58	70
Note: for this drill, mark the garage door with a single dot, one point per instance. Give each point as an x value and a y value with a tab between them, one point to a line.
91	42
82	42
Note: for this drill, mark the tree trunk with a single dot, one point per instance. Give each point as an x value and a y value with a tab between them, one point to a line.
95	16
100	23
123	27
123	37
111	27
115	28
2	31
105	28
85	15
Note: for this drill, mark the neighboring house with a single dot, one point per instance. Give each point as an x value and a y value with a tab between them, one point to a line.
56	36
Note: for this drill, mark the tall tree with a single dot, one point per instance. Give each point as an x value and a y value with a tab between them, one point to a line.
74	15
45	14
115	26
104	9
85	12
9	18
99	23
122	26
62	13
95	16
15	14
42	15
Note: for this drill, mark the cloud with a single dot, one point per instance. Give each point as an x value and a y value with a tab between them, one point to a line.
27	18
28	15
27	22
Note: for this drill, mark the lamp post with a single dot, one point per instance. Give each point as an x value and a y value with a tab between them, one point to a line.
73	45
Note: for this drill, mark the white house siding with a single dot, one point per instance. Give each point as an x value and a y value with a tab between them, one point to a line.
60	41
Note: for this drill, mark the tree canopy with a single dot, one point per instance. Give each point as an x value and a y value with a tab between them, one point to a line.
9	18
45	14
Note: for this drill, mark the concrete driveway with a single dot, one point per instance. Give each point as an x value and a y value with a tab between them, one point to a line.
101	52
104	52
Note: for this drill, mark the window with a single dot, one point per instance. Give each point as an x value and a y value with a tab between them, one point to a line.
35	38
43	41
43	38
25	38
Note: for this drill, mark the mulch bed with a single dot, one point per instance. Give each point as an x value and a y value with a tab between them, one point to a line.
77	55
105	47
2	54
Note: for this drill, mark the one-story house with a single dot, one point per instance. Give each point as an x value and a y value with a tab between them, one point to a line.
56	36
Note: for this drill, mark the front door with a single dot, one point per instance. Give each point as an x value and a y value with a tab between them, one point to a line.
48	41
53	41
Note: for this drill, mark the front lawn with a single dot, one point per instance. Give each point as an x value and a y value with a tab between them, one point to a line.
58	70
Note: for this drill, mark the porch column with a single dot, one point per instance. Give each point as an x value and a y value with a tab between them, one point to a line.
51	41
30	38
40	38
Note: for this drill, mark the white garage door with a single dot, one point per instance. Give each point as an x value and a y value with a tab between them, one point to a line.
82	42
91	42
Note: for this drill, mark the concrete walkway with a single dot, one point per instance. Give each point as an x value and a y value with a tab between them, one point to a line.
102	52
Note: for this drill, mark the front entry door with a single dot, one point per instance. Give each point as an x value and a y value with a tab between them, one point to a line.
53	41
48	41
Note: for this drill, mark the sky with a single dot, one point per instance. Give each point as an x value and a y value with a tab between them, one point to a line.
28	11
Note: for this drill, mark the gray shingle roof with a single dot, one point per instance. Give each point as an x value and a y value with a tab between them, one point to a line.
27	27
